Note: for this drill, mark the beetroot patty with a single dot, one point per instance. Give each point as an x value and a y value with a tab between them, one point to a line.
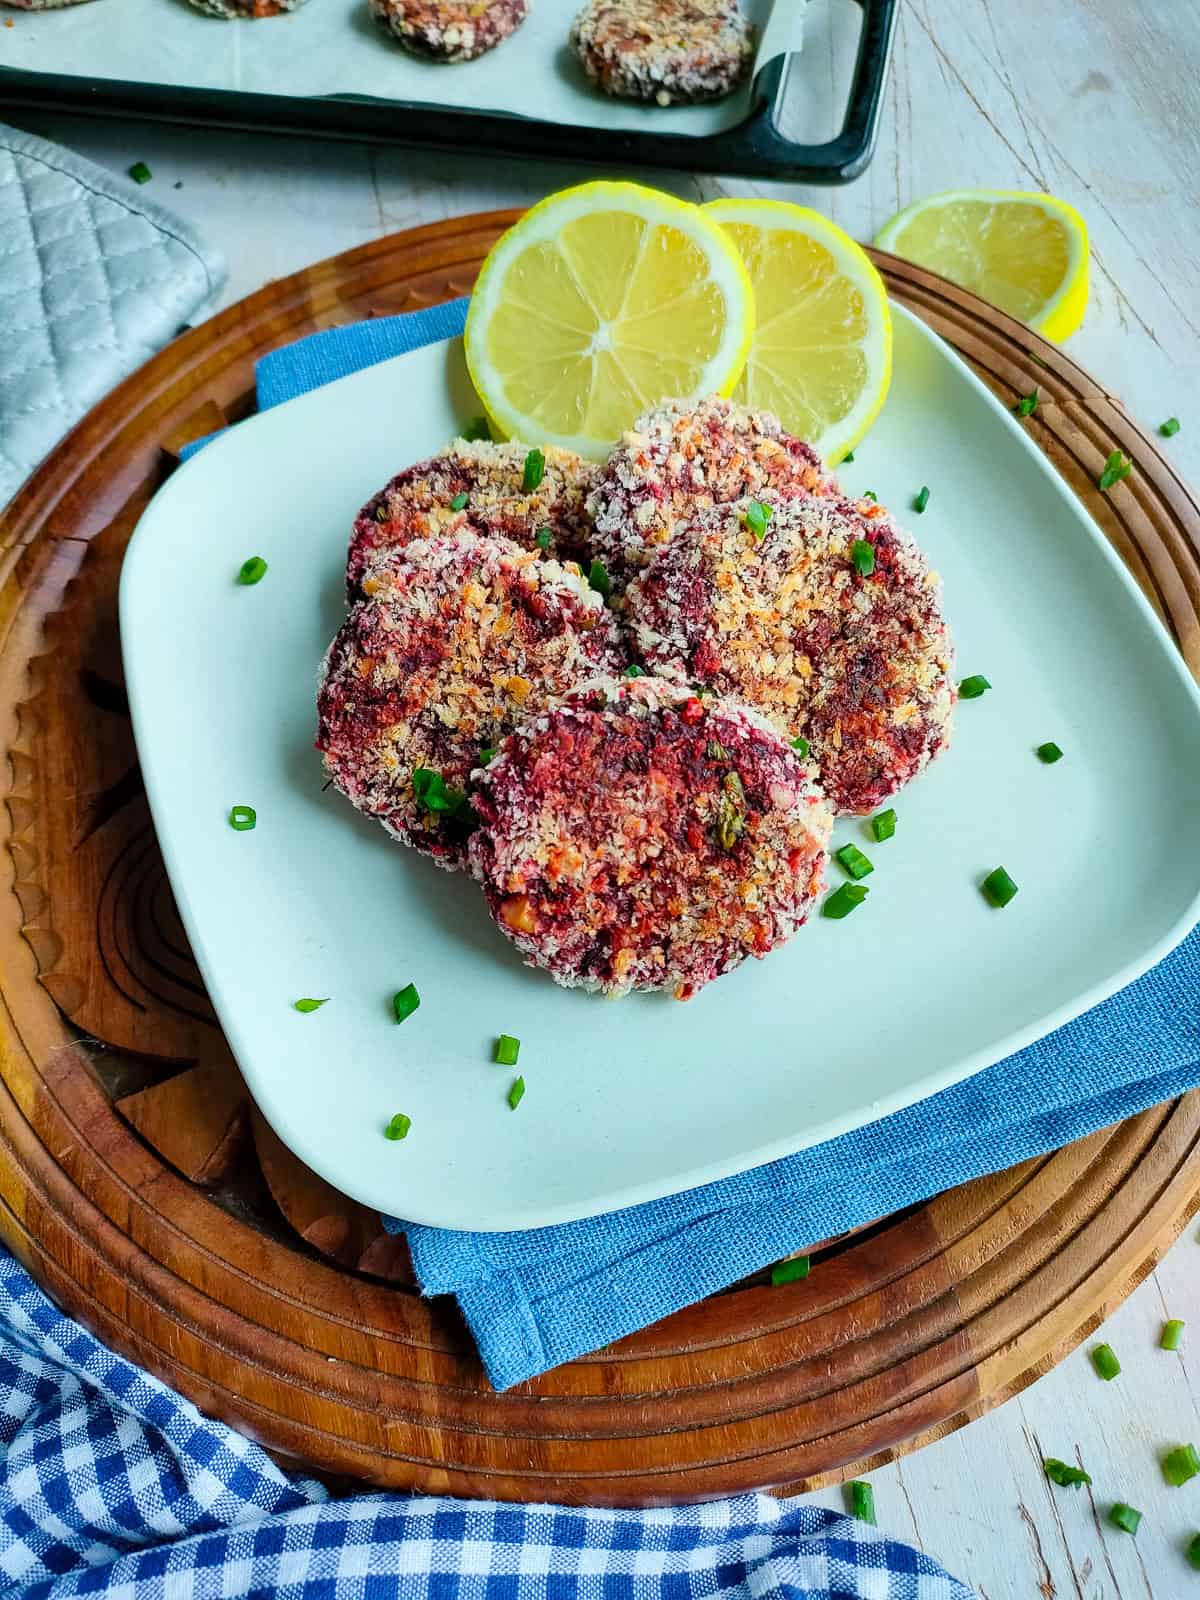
668	51
857	664
420	503
473	634
686	455
639	838
450	30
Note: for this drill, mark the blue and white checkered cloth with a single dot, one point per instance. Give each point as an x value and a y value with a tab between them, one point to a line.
111	1485
537	1298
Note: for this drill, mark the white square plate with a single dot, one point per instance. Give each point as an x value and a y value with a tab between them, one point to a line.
922	986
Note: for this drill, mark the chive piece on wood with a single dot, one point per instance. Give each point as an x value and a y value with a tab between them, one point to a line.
862	1501
1172	1335
1105	1362
1067	1477
1180	1465
1124	1517
790	1271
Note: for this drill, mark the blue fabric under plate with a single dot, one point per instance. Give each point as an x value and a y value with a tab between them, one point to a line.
536	1299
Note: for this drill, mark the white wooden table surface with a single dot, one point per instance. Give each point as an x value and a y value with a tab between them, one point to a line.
1095	100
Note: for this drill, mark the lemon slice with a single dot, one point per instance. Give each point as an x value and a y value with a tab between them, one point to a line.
821	359
601	302
1026	253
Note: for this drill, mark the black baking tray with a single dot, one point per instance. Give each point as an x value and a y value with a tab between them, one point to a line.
755	147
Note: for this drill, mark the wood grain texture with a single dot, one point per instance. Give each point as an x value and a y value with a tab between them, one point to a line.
214	1259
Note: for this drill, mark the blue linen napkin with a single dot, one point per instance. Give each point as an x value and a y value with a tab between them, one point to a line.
536	1298
111	1484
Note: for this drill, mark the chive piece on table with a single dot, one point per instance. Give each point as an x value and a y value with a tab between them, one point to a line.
405	1001
544	536
252	570
884	825
851	859
599	579
756	518
869	494
140	172
506	1051
922	499
862	556
801	747
1028	403
1067	1477
843	901
1105	1362
398	1127
1193	1551
1049	753
1181	1464
849	456
242	818
310	1005
999	888
1169	427
791	1271
1124	1517
477	428
516	1094
459	501
971	688
535	471
862	1501
1115	468
1172	1335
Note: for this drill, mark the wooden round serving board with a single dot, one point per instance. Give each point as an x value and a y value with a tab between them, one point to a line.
138	1184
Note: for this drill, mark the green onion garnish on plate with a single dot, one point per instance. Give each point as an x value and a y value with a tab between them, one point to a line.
405	1002
869	494
242	818
1124	1517
844	900
140	172
1028	404
1172	1335
849	456
1115	468
516	1094
851	859
310	1005
1105	1362
790	1271
506	1051
1170	427
433	796
999	888
757	517
862	1501
884	825
971	688
922	499
535	471
862	556
1180	1465
459	501
398	1127
1049	753
252	570
1067	1477
801	747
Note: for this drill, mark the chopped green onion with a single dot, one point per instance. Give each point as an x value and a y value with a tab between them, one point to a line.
999	888
1115	468
1124	1517
140	172
488	754
1180	1464
459	501
1169	427
477	428
791	1271
971	688
862	1501
849	456
801	747
634	671
253	570
869	494
922	499
1029	404
884	825
516	1094
544	537
310	1005
851	859
405	1002
1105	1362
433	796
242	818
507	1050
599	579
1172	1335
1193	1551
757	517
535	471
862	554
398	1127
843	901
1049	753
1066	1477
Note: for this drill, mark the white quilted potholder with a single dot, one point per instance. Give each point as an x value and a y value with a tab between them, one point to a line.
94	278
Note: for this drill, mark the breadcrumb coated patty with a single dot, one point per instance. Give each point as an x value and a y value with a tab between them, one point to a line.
637	837
666	51
472	635
419	503
232	10
686	455
858	664
450	30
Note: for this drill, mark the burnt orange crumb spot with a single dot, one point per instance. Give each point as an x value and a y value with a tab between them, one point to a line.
517	913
